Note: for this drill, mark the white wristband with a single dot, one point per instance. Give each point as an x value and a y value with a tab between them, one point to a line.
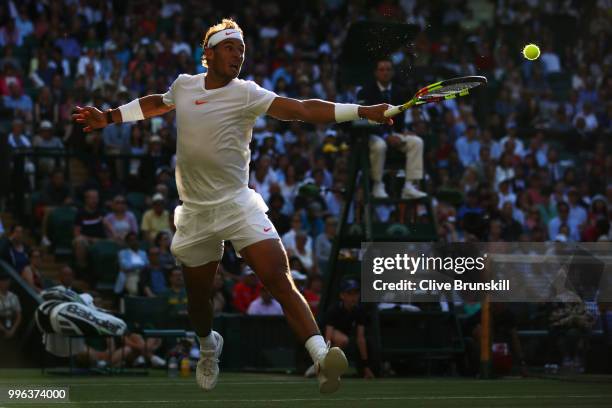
346	112
131	112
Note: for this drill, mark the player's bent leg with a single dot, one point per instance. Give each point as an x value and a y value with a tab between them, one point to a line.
269	261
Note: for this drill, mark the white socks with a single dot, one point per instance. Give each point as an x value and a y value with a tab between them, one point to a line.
316	347
208	342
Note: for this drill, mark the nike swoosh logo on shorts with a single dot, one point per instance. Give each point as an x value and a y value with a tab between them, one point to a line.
200	102
267	229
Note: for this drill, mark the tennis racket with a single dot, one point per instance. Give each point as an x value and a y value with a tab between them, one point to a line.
439	91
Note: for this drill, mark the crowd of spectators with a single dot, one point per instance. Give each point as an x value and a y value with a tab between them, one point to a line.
529	157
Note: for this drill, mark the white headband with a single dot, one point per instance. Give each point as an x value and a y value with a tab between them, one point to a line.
217	37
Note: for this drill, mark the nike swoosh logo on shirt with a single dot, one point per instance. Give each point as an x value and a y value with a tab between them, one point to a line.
200	102
267	229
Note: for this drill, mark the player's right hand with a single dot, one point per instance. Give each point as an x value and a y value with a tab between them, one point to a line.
376	113
91	118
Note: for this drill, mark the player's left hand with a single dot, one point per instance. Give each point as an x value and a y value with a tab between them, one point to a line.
375	113
368	374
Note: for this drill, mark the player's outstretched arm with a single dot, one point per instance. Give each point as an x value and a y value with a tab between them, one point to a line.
146	107
318	111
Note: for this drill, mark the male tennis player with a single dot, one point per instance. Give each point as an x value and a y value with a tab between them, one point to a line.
215	114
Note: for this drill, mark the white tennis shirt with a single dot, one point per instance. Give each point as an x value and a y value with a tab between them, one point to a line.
214	127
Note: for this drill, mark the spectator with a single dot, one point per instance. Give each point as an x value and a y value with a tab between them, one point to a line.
323	244
166	259
220	298
31	274
10	311
264	305
88	228
246	290
263	177
132	261
279	219
468	147
312	292
45	140
289	237
155	219
19	103
66	278
554	226
120	221
303	251
577	214
176	294
153	280
16	252
55	194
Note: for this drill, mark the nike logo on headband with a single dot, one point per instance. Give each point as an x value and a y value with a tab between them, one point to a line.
230	33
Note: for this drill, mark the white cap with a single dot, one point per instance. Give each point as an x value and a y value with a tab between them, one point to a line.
158	197
45	124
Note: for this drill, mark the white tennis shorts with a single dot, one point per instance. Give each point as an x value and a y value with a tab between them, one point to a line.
200	232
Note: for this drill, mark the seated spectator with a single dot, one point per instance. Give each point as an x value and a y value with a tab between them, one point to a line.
153	280
346	321
279	219
132	261
312	292
88	228
246	290
31	273
220	298
289	238
20	103
56	193
105	185
176	294
10	310
303	251
265	305
554	225
511	228
66	278
16	252
155	220
166	259
120	221
323	244
45	140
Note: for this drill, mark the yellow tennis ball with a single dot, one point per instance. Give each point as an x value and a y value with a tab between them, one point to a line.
531	52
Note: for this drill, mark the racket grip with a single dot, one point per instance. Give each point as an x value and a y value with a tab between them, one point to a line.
392	111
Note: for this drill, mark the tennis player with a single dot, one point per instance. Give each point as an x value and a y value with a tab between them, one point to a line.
215	114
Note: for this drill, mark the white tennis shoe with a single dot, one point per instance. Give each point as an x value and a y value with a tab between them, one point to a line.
329	369
207	370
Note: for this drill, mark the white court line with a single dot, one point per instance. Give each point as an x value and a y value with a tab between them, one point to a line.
221	382
442	397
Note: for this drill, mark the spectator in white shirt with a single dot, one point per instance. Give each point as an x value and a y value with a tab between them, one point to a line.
468	147
263	177
265	305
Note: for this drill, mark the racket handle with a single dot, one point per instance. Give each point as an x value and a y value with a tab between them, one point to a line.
392	111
